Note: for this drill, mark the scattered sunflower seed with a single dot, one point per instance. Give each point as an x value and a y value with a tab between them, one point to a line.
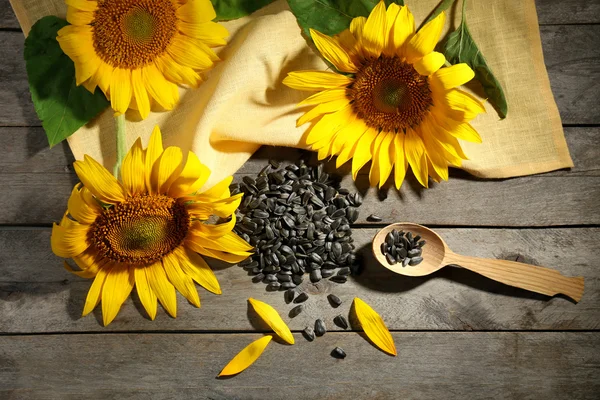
309	333
320	327
296	310
338	353
334	300
374	218
341	321
289	295
302	297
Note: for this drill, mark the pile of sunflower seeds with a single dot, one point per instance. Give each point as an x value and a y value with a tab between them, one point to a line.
298	220
401	247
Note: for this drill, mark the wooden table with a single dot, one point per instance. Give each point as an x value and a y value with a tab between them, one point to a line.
458	335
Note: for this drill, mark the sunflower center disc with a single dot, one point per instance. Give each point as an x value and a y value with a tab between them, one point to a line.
130	34
142	230
389	94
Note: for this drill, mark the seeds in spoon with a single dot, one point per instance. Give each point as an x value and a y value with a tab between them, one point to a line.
402	247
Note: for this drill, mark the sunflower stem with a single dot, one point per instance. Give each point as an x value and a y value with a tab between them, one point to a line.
121	143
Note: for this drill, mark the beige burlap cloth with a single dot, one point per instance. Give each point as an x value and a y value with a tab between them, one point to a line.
243	103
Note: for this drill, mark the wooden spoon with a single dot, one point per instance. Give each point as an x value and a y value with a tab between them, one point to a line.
436	255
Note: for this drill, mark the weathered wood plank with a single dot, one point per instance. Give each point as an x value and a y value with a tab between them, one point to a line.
37	295
182	366
571	56
568	12
40	180
549	12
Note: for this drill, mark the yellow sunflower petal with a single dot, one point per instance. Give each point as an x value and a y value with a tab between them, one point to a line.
117	287
76	16
164	290
218	191
333	52
373	33
132	170
424	41
84	5
344	117
326	127
403	30
99	181
374	171
219	255
69	239
180	280
414	150
176	72
196	268
390	16
386	157
193	176
120	90
316	80
153	152
103	76
437	166
374	327
430	63
162	91
139	93
324	96
93	296
454	76
351	142
465	103
145	293
167	169
363	152
196	11
246	357
323	108
400	164
347	131
272	318
229	243
82	206
464	131
349	43
211	33
187	53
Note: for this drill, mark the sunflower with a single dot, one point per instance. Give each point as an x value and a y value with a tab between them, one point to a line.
392	102
137	51
149	231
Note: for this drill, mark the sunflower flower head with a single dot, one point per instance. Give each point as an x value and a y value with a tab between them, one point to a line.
150	231
138	51
393	103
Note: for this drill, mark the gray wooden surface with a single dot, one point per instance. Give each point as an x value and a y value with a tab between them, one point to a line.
458	335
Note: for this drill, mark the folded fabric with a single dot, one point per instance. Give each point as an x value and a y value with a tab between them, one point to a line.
243	104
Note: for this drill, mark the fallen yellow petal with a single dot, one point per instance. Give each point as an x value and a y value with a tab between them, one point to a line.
374	326
272	318
246	357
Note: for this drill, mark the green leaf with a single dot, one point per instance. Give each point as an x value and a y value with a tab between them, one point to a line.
461	48
62	106
331	16
234	9
443	6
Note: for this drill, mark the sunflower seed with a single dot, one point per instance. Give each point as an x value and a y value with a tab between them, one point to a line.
344	271
405	262
309	333
288	285
415	261
320	328
384	248
390	259
302	297
341	321
274	286
289	295
334	300
326	273
374	218
338	279
315	275
258	278
414	252
274	163
296	310
338	353
421	243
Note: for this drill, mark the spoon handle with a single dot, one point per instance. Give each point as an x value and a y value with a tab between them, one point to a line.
525	276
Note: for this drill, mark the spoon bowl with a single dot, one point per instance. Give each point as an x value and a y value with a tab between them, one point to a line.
436	255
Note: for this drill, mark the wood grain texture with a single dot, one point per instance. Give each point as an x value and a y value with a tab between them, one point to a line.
182	366
40	180
37	295
571	56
